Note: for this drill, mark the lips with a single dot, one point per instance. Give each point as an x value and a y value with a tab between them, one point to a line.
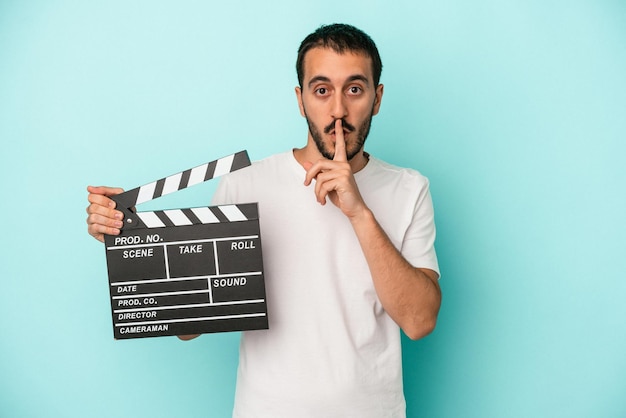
347	128
345	132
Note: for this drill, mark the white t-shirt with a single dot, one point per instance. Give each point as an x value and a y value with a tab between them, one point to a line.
331	350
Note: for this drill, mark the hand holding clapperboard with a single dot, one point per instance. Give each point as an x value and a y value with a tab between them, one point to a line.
186	271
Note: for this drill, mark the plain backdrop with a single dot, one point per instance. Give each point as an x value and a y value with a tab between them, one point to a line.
515	110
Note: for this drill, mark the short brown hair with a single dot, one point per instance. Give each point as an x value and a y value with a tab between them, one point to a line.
340	38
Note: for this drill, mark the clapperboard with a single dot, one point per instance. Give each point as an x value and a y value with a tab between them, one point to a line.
186	271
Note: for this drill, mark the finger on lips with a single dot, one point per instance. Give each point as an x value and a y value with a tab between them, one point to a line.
313	170
340	142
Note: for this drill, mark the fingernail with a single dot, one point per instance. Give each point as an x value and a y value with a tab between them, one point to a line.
119	215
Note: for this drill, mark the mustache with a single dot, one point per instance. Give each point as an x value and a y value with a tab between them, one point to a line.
344	124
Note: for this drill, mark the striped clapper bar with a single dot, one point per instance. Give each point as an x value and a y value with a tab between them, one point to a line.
186	271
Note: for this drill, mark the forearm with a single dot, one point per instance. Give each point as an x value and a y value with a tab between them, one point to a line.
410	296
188	337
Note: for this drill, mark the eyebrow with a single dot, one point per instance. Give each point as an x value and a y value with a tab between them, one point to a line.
324	79
317	79
359	77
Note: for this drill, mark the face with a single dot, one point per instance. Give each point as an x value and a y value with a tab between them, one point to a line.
338	86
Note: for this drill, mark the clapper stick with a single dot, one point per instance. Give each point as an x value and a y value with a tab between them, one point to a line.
128	200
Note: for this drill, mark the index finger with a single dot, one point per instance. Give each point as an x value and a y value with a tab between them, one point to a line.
340	143
105	191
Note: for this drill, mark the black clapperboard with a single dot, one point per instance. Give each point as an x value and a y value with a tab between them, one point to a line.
186	271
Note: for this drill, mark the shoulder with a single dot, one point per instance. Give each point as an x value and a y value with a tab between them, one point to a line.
381	172
260	168
394	170
258	181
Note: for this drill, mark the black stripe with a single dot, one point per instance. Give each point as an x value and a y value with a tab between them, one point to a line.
250	210
192	216
163	217
184	180
158	189
210	170
218	213
240	160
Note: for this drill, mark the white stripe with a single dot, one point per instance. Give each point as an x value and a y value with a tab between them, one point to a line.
177	217
171	184
193	305
240	237
146	192
206	318
147	295
150	219
197	175
178	279
233	213
205	215
224	165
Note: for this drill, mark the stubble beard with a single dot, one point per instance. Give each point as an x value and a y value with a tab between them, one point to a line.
361	135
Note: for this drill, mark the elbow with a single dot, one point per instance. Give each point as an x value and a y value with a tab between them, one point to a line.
420	328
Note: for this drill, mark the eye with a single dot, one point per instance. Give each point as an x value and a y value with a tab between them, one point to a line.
321	91
355	90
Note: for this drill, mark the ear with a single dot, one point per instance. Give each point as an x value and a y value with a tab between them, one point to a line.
378	99
300	104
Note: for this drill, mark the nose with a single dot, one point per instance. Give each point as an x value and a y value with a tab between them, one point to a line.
339	109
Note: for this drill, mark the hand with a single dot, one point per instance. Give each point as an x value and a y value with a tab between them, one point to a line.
103	218
334	178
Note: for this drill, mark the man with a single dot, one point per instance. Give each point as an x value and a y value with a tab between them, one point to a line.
341	278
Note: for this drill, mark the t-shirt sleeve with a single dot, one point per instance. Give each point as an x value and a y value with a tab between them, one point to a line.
418	246
221	195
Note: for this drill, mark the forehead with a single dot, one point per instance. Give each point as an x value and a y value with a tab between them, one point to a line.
326	62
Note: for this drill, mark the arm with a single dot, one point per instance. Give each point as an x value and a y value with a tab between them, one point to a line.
411	296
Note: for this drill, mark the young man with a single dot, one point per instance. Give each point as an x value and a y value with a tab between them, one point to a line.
341	278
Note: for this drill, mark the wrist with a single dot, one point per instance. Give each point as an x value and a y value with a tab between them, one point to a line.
364	216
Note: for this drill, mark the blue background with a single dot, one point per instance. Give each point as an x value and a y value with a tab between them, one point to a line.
516	111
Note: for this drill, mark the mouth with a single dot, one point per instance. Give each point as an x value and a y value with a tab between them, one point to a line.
347	128
345	133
